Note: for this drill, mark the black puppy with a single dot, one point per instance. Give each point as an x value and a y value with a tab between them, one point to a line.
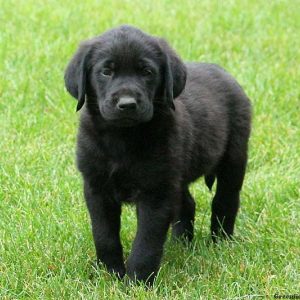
135	143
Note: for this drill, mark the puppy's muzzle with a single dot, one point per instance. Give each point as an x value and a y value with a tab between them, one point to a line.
127	104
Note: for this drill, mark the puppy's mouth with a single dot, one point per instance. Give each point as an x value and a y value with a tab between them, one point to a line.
126	119
125	122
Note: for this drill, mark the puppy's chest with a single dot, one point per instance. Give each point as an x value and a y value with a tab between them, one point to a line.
131	175
125	185
133	164
136	171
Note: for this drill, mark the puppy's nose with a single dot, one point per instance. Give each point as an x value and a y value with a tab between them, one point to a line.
127	103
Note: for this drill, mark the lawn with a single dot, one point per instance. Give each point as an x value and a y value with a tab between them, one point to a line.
46	247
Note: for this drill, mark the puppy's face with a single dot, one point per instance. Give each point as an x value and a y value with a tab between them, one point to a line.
124	73
126	77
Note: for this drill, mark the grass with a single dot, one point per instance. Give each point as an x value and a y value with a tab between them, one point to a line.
46	247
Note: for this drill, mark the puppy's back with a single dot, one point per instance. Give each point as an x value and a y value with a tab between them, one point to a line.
218	112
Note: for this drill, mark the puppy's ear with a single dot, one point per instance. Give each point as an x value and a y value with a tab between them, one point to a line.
174	74
76	74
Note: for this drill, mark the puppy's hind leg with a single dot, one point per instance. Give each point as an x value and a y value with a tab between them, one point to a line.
183	225
225	204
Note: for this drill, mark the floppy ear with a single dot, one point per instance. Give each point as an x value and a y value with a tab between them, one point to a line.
174	74
76	74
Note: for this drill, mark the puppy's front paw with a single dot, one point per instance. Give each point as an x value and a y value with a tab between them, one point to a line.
141	270
119	271
115	269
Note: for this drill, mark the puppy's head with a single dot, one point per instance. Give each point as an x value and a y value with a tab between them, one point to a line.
124	74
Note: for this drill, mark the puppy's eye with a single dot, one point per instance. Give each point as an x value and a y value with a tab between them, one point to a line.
107	72
147	72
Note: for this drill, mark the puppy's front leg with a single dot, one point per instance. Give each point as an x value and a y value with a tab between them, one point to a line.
105	219
154	216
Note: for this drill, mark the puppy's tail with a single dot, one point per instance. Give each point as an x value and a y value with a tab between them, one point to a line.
209	181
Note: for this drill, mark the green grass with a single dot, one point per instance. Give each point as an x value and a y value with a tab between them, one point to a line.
46	247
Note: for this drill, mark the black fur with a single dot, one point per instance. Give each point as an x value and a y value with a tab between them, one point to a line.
136	144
